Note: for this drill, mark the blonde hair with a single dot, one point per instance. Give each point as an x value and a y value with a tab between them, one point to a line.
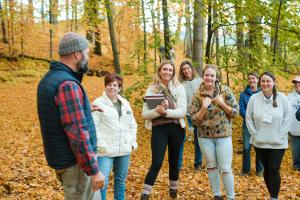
157	78
181	76
214	67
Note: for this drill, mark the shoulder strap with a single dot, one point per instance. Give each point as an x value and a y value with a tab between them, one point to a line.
167	93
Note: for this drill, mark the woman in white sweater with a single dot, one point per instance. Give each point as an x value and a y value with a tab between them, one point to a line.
116	135
268	118
167	123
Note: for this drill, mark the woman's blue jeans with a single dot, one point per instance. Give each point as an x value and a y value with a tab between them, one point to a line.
120	166
246	167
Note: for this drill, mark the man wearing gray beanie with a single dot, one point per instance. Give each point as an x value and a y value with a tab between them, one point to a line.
67	126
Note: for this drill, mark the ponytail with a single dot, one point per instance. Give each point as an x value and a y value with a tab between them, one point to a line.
274	91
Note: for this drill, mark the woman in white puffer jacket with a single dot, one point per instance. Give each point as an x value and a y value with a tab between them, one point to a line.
116	134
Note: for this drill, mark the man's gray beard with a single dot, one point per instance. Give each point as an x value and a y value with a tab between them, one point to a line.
83	66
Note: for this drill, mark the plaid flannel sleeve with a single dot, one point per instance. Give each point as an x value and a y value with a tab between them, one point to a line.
70	104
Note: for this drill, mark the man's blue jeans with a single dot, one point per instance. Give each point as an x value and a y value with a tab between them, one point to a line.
198	154
120	166
246	153
295	141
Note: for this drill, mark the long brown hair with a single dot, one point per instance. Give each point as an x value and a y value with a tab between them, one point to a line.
274	90
181	76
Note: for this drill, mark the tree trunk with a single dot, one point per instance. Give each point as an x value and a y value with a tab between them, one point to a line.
158	9
51	29
216	33
255	42
137	30
3	27
209	33
98	49
155	33
112	37
158	16
226	59
188	41
22	28
54	10
43	14
30	12
167	40
276	32
239	37
145	36
74	21
93	33
178	27
198	37
11	27
67	15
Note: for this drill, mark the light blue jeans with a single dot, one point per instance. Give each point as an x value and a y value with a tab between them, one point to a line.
120	166
218	156
76	184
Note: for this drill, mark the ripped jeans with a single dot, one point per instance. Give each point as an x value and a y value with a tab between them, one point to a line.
218	157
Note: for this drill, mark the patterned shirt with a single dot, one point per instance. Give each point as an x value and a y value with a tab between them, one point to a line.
215	123
70	104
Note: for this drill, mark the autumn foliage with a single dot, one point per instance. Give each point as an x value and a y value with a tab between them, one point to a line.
24	173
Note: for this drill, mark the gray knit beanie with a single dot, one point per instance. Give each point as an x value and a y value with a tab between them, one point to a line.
72	42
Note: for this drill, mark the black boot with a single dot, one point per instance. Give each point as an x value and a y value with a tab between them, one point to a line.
145	196
173	193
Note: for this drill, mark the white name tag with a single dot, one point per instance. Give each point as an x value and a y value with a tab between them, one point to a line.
267	119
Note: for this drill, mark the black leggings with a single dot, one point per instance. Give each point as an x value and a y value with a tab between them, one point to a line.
271	159
170	135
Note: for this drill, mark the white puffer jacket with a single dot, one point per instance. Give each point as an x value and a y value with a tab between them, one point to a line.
116	136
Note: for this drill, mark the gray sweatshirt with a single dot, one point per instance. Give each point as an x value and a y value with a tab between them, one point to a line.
190	89
269	125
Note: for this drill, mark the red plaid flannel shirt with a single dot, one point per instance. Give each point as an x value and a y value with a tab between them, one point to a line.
70	104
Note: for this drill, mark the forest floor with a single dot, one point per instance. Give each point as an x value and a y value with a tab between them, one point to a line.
24	173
